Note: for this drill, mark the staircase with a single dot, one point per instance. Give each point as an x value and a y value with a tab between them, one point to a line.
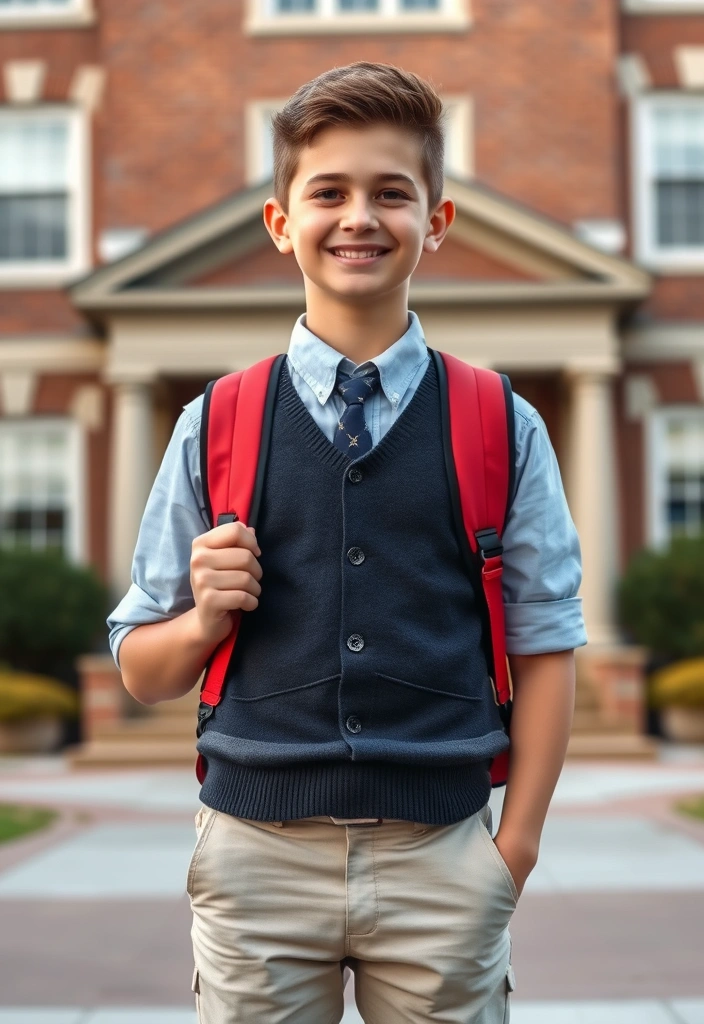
595	735
162	736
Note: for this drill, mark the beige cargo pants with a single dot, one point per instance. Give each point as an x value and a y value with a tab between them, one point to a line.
419	912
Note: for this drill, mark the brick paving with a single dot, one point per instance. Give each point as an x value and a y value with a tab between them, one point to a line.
609	930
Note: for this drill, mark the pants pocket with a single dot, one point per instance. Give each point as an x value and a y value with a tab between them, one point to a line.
204	822
485	820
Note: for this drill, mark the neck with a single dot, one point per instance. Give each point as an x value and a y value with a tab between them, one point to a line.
361	330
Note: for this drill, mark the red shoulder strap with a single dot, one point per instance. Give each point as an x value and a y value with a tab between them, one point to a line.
234	433
479	434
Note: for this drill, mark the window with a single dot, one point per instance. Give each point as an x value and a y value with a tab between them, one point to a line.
44	12
40	469
43	186
669	166
677	468
317	16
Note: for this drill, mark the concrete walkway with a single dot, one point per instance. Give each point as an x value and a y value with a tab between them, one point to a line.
609	930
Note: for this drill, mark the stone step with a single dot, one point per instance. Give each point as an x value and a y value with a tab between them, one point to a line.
619	746
126	753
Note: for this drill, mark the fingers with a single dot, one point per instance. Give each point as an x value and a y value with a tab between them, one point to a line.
232	535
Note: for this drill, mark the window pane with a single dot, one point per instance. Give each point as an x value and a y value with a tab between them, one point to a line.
680	213
33	154
33	5
294	6
358	5
684	453
33	227
35	478
420	5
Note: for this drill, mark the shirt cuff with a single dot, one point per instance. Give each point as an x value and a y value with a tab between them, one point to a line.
541	627
116	637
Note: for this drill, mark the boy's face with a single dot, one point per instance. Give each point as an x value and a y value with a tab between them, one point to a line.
358	216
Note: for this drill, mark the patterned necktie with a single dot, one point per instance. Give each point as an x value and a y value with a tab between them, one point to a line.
352	435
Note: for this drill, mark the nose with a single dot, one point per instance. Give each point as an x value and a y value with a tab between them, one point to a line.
358	216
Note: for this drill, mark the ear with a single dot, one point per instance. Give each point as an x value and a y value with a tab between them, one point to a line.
276	223
439	224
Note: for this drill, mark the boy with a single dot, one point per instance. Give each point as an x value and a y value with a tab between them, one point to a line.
345	817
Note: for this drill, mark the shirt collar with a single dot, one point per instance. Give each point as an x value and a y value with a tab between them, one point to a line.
318	363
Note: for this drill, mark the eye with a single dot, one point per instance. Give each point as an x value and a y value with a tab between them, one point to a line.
327	193
393	194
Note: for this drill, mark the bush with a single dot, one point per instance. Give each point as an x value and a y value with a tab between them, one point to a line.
25	696
679	685
661	599
50	612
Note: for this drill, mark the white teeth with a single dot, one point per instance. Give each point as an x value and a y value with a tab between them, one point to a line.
354	254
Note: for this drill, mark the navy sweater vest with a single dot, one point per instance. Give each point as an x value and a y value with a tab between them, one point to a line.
358	687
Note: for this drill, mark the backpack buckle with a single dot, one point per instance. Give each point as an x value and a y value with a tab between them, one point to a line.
489	543
204	713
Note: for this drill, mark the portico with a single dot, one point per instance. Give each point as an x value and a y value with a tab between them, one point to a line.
508	290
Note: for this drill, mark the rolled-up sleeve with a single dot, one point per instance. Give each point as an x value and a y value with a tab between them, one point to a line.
542	562
173	517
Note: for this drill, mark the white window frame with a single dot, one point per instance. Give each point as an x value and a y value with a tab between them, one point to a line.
262	18
76	470
44	14
657	526
55	273
684	259
662	6
459	149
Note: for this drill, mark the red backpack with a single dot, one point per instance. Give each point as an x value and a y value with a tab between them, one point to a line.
478	441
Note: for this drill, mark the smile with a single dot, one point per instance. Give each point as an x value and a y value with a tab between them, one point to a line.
358	254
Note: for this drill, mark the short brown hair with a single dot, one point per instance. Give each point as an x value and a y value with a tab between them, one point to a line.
356	95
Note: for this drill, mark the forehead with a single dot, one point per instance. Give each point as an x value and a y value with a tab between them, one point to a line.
363	153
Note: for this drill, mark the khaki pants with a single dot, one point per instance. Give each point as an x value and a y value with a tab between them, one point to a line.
419	912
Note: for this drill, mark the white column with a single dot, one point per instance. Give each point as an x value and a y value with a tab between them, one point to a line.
591	492
131	475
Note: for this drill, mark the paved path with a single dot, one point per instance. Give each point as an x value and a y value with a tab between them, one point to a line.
609	930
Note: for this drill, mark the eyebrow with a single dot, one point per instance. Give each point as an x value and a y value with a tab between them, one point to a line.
346	178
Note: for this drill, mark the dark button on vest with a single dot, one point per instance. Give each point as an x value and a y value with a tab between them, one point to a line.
355	642
353	724
356	556
355	475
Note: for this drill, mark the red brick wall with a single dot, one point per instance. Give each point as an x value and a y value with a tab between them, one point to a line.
180	74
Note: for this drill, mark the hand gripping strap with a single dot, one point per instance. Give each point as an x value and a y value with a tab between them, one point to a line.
483	460
231	442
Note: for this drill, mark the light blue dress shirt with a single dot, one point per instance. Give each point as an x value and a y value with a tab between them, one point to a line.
542	566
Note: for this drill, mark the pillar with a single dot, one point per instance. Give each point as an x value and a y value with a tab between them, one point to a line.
591	492
132	474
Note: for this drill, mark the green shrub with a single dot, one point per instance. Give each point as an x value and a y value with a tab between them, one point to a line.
679	685
25	696
50	610
661	599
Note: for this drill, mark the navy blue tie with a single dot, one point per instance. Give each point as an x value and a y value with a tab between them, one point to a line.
352	435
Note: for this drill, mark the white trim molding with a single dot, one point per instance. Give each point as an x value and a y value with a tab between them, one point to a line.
57	273
24	80
47	14
663	259
662	6
689	61
632	74
259	161
326	17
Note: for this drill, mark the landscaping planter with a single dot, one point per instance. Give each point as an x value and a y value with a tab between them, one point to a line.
683	725
31	735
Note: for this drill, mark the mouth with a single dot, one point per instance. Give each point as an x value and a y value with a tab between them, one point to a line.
359	256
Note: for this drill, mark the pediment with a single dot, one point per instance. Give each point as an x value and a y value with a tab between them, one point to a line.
496	250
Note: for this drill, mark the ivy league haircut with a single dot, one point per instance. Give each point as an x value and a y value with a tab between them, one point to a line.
356	96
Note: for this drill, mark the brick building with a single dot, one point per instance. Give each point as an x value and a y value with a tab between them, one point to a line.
134	158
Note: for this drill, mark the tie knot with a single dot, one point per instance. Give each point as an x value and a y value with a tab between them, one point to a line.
354	390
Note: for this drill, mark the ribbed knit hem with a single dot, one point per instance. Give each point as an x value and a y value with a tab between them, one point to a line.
433	796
